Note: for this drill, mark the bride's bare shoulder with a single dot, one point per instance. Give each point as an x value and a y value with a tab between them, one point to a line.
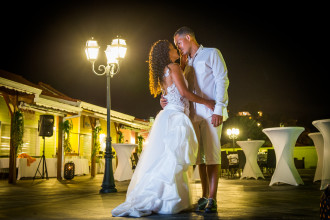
174	67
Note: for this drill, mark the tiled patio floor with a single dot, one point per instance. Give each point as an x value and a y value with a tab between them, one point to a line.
80	199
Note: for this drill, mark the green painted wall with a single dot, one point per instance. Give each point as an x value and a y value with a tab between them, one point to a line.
308	152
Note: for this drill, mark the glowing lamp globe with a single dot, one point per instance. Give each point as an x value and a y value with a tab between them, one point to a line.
116	51
233	131
92	50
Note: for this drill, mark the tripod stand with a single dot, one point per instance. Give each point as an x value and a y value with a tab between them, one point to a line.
44	165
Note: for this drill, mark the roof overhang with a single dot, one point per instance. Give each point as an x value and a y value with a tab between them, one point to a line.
57	105
9	84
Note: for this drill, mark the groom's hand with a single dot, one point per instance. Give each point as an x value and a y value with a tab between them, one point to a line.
183	61
216	120
163	102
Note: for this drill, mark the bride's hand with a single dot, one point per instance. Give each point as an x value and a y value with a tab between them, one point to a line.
210	104
183	60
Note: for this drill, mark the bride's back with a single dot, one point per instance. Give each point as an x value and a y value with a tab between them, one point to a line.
167	80
171	92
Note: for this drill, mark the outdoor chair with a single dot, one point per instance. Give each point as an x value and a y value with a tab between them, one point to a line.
224	164
300	164
229	168
271	161
241	161
233	162
262	162
135	160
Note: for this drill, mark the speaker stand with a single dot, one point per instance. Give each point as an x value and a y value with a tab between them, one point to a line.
44	165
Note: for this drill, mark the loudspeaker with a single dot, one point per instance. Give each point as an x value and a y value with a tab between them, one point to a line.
45	126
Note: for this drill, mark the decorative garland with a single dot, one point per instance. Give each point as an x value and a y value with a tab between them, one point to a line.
140	144
96	146
17	130
67	127
121	137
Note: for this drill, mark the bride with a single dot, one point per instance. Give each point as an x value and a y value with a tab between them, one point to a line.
159	183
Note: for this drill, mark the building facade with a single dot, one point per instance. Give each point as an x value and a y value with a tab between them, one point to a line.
36	100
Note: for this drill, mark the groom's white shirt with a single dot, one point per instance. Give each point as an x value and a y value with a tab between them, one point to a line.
210	82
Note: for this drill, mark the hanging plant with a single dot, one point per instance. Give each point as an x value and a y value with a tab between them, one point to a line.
121	137
96	146
140	144
66	128
17	130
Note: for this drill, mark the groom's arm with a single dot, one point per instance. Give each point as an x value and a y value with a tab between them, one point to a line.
183	61
219	70
163	102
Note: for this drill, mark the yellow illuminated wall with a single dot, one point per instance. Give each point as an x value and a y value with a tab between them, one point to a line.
33	143
4	112
74	134
129	136
5	128
113	132
85	140
80	137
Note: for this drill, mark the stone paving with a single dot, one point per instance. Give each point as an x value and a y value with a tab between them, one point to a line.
79	198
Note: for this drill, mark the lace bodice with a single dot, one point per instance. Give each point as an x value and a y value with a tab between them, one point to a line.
174	97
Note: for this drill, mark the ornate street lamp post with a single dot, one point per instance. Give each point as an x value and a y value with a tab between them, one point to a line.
233	134
114	53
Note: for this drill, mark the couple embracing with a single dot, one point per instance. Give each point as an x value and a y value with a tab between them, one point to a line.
183	133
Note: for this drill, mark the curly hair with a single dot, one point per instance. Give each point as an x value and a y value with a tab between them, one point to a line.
158	59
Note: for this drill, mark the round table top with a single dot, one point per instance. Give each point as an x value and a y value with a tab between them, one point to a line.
284	128
251	141
320	121
314	134
123	145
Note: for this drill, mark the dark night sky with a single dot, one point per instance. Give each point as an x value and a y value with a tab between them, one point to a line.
275	54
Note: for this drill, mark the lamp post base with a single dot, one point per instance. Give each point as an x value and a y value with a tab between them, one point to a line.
110	190
108	185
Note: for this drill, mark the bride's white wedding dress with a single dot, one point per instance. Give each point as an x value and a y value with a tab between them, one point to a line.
160	182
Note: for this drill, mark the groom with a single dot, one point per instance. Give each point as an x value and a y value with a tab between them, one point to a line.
206	73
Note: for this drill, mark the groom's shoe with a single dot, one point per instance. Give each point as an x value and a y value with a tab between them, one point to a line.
211	206
201	204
